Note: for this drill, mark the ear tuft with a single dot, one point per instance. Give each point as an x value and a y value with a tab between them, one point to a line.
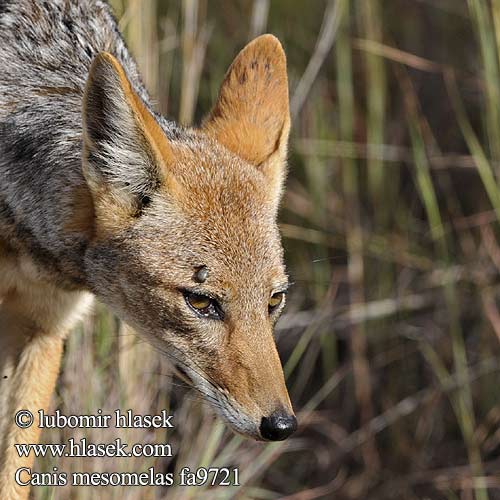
251	116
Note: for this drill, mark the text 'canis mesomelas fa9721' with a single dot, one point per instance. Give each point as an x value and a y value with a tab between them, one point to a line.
173	228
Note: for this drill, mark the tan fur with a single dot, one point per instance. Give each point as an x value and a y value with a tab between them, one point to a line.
253	376
34	319
255	129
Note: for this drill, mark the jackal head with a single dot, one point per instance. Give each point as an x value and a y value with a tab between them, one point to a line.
184	243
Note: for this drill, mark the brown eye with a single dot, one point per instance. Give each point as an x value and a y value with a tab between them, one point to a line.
275	301
203	305
198	301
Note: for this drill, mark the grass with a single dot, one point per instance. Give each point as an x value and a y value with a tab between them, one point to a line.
390	341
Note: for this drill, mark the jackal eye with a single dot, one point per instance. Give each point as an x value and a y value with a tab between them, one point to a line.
275	301
203	305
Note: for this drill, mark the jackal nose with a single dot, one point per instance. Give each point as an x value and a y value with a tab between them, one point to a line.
277	426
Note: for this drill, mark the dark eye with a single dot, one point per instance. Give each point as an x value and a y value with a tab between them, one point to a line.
203	305
275	301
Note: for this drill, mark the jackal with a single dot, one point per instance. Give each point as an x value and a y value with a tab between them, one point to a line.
173	228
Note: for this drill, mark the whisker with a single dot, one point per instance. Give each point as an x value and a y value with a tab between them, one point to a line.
194	367
207	396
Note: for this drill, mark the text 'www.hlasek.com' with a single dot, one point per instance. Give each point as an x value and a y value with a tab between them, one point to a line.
81	447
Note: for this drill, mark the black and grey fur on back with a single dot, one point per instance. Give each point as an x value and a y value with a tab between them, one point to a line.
46	49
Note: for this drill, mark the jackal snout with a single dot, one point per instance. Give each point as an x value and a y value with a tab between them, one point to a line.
250	371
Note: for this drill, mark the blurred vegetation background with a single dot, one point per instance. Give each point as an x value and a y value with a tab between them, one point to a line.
390	221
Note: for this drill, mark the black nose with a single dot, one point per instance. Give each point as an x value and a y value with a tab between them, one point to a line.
278	426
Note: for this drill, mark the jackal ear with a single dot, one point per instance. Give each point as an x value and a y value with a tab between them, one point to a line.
124	148
251	116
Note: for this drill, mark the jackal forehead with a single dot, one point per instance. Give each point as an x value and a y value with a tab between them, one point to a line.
211	178
232	251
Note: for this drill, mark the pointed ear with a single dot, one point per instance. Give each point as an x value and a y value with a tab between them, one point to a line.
251	116
125	152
